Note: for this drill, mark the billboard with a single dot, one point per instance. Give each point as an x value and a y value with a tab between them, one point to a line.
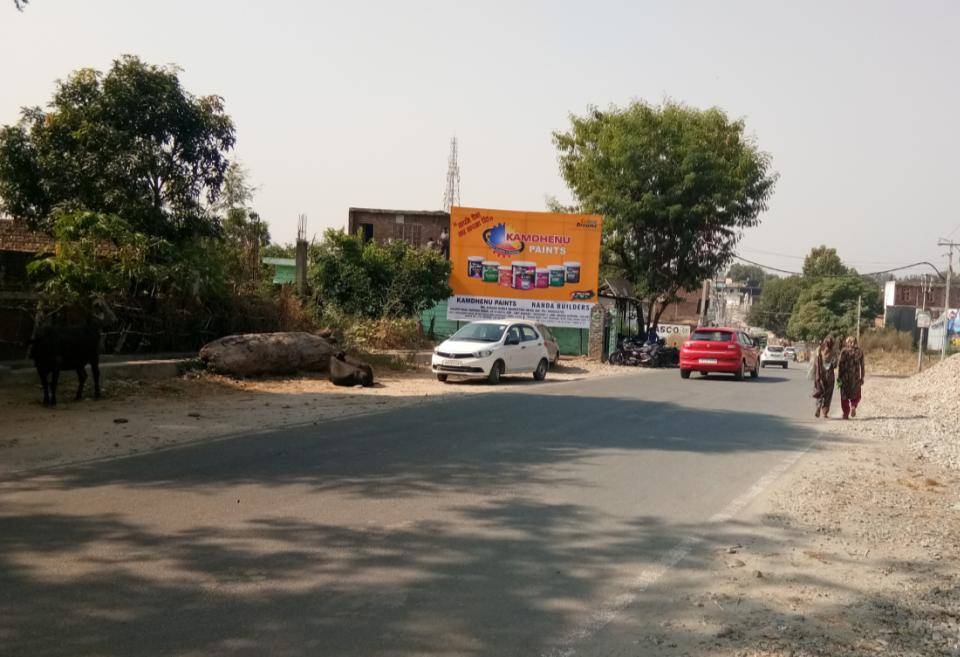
541	266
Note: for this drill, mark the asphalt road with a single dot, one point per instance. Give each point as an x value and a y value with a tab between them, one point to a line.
510	524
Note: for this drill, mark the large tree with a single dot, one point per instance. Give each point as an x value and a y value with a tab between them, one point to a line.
676	186
829	306
131	142
823	261
775	305
752	275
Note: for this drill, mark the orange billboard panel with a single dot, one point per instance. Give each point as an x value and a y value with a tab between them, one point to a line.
542	266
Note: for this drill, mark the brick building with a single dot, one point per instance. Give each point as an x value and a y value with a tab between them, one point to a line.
910	293
413	226
18	246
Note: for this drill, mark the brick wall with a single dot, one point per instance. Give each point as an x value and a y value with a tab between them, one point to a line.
414	226
911	294
15	236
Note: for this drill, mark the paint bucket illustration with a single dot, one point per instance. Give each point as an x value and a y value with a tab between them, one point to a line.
491	271
524	275
558	275
505	275
475	267
543	277
573	271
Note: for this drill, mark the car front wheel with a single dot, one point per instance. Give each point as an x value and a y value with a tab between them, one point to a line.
540	373
495	373
684	374
442	378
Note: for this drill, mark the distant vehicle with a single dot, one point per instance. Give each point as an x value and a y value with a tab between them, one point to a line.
790	353
550	342
490	349
723	350
774	355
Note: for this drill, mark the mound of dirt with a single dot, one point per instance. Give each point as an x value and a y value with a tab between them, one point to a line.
936	391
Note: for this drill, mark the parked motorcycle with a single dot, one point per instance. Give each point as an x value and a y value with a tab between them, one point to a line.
636	352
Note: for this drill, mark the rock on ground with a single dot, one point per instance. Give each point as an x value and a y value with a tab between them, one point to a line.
268	353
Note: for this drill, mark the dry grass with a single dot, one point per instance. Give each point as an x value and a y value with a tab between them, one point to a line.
897	363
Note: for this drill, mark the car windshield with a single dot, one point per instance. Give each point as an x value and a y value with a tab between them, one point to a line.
712	336
480	333
774	349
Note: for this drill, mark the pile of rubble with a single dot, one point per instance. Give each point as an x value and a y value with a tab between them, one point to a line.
924	410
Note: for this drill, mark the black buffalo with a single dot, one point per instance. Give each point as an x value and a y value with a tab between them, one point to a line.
345	371
55	348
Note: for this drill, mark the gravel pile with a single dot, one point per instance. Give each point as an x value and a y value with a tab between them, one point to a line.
923	410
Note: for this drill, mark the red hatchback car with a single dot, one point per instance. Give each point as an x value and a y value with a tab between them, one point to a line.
725	350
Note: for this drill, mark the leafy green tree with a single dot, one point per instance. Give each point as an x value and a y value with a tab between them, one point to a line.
100	255
829	306
131	143
245	234
750	274
676	186
279	251
823	261
370	279
776	303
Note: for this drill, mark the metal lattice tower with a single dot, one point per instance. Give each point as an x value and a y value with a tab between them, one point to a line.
451	196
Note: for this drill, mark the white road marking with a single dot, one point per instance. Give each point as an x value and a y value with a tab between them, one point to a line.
611	609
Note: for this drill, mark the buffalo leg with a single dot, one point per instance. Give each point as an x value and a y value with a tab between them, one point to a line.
95	370
54	379
81	379
46	386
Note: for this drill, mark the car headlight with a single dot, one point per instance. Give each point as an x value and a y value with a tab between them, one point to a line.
483	353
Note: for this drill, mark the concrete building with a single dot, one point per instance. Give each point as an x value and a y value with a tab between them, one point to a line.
413	226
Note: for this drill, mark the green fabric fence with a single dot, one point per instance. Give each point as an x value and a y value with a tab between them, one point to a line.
573	342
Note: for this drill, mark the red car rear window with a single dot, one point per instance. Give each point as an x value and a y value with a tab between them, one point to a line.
712	336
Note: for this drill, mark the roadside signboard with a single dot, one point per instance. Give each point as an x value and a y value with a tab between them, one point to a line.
666	330
540	266
924	319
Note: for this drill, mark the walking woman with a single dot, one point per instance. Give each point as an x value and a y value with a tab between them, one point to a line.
823	376
851	371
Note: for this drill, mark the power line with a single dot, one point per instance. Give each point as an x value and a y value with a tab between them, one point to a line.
872	273
796	257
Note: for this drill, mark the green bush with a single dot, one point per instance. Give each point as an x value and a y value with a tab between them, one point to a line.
374	280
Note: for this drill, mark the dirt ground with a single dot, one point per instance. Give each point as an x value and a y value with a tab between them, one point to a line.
139	416
855	553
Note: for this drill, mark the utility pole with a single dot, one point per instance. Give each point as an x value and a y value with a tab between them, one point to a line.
703	301
946	294
301	256
859	310
923	287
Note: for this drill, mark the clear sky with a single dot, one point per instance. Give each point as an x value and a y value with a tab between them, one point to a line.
353	103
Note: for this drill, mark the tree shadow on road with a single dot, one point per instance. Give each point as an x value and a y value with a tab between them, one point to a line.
506	577
464	444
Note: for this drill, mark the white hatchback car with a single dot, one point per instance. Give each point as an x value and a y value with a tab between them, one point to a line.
774	355
490	349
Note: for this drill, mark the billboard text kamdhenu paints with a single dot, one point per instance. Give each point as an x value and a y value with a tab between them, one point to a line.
541	266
